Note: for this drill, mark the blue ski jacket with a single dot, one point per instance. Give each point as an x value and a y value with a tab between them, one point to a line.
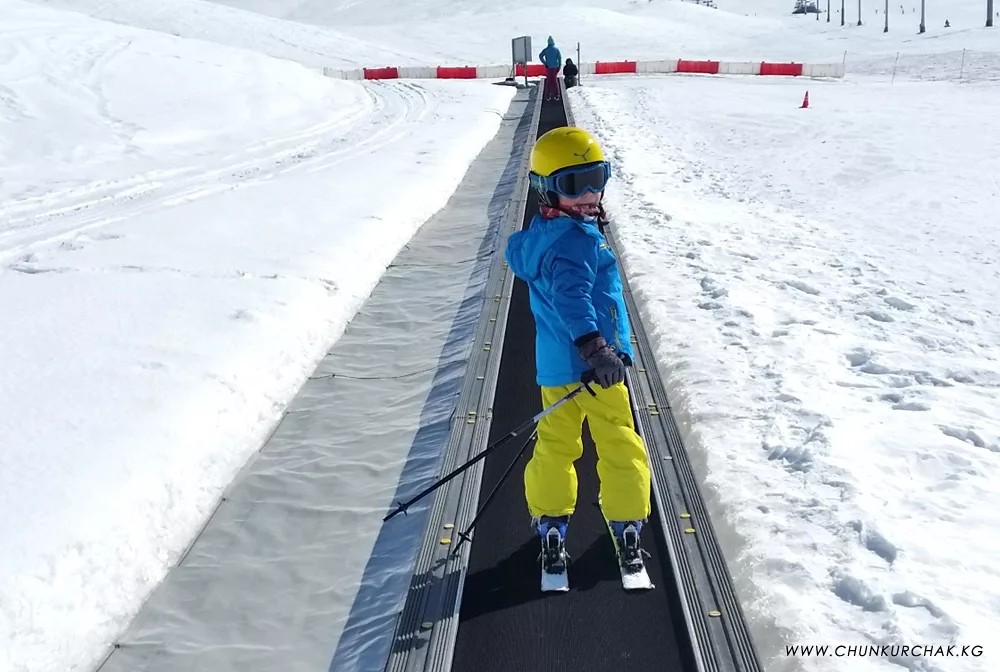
575	289
550	56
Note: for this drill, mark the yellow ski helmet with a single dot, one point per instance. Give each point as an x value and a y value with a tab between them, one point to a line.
562	148
567	161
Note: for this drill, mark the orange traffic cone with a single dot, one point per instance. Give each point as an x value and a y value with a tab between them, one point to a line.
805	101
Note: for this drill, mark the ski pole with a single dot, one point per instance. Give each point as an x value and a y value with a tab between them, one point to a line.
403	506
464	536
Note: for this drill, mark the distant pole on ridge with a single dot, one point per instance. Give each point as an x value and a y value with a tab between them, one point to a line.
859	12
886	30
842	11
579	65
989	13
922	18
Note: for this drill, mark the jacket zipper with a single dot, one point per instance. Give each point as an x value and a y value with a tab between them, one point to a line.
614	318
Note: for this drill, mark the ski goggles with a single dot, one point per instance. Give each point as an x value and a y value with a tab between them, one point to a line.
575	182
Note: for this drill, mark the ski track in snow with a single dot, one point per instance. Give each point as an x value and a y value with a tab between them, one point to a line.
837	379
388	113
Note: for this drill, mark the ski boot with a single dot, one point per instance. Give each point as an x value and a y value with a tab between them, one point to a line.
554	558
628	548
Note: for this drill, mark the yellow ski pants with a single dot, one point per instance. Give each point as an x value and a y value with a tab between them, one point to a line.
550	481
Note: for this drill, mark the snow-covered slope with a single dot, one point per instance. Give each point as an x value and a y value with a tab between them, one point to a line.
342	33
184	229
437	31
94	112
480	30
312	45
180	238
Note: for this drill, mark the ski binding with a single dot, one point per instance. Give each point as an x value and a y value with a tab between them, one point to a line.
555	561
630	559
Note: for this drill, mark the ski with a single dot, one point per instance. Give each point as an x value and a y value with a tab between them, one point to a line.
553	582
554	559
636	579
629	554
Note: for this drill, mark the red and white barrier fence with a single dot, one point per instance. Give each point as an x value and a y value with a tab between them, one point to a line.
599	68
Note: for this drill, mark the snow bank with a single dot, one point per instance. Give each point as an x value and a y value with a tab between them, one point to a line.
820	284
185	229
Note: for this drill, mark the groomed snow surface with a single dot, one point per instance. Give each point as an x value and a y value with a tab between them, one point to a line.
190	214
186	228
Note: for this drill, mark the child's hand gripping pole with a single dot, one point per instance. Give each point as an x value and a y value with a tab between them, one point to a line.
607	368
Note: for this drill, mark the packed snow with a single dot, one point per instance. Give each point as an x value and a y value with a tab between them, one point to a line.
184	230
821	284
311	45
190	214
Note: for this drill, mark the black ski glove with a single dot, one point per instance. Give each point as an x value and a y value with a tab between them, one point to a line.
608	367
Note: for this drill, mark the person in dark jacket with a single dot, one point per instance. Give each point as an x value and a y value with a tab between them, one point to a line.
570	73
551	58
582	325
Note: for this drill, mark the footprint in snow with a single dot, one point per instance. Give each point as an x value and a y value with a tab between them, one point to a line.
911	600
875	542
969	436
31	270
795	458
803	287
899	304
900	403
712	288
860	360
935	618
795	439
976	377
794	320
878	315
245	315
857	593
858	357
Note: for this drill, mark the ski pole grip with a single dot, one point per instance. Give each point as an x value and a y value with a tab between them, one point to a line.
587	378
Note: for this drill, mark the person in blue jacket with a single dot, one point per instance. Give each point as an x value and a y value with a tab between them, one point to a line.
551	58
581	326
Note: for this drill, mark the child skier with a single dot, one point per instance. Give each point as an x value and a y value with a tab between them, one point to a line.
581	323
